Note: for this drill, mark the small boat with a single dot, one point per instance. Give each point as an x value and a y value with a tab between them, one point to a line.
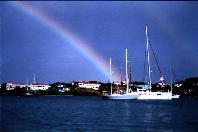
176	96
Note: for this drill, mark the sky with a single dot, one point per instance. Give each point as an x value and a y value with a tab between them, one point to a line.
65	41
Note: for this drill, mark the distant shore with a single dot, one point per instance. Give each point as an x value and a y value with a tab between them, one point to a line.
185	88
56	95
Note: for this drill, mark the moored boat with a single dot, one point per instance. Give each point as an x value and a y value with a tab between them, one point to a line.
147	94
125	95
175	96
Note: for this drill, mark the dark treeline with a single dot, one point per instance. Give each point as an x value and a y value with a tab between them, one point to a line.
189	88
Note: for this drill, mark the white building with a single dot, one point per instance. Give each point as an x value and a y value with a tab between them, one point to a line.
12	86
120	83
91	85
178	85
36	86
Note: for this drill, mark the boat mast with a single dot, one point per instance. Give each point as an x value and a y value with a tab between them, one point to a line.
34	79
171	79
110	74
148	59
120	76
26	82
127	80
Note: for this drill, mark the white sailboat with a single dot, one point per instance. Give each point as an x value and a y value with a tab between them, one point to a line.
127	94
146	94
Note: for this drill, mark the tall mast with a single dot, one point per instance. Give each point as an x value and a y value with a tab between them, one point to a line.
120	76
148	59
26	82
171	78
127	79
34	79
110	74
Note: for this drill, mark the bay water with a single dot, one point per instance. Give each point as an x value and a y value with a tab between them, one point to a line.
94	114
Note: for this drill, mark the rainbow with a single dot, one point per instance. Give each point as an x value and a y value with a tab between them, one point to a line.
80	45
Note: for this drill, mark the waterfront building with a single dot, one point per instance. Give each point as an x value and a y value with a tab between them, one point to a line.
91	85
36	86
12	86
118	83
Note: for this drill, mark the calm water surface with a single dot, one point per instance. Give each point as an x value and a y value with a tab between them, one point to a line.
63	113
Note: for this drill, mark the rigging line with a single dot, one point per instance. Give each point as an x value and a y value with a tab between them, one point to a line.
155	59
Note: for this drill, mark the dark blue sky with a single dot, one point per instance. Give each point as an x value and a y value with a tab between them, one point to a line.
29	47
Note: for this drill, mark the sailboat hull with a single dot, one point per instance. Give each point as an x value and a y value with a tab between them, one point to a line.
155	96
121	96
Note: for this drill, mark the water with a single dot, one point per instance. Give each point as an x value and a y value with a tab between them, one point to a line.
62	113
